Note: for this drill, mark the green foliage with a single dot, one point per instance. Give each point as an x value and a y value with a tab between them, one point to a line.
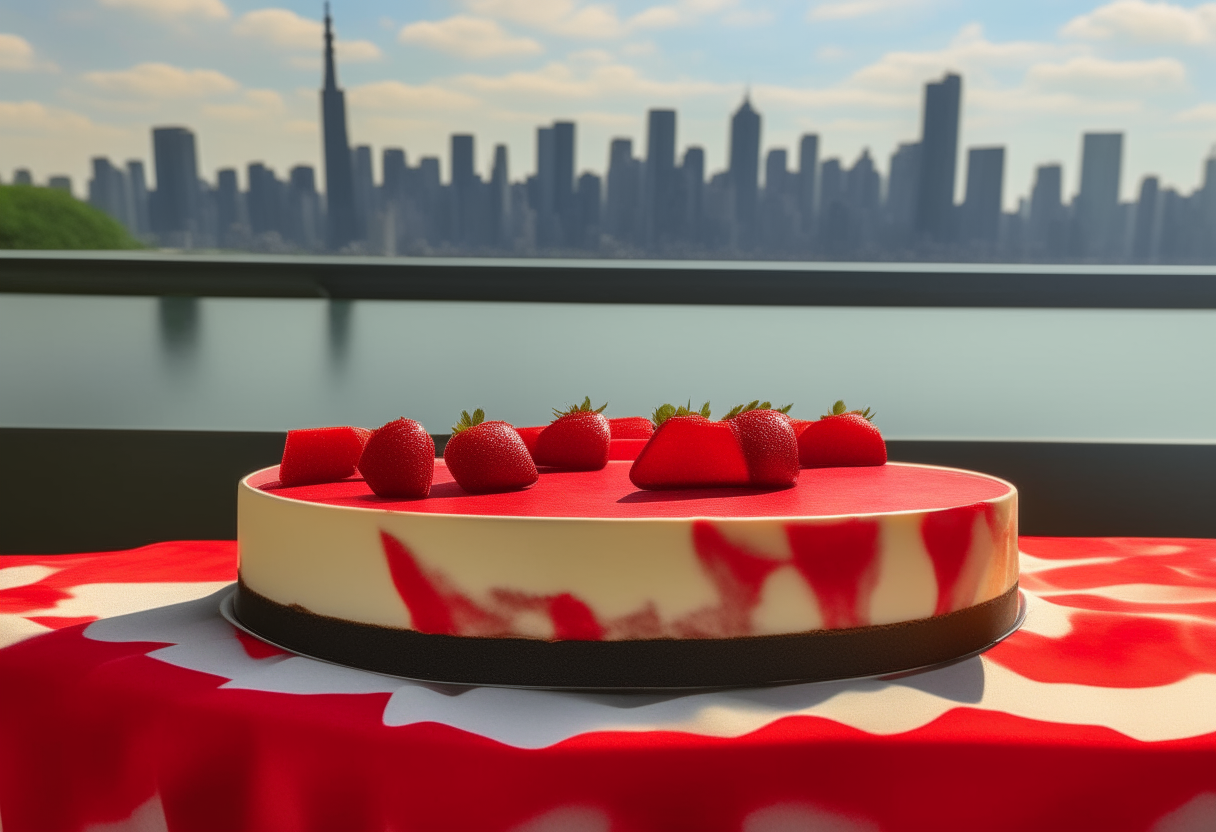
756	404
467	421
47	218
585	407
838	408
664	412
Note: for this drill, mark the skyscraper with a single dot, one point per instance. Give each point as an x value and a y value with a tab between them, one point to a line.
108	191
303	221
808	166
621	211
1097	204
692	180
498	215
365	190
661	208
745	169
1046	232
563	182
982	205
546	173
227	205
939	159
137	197
464	182
1146	220
342	227
175	217
903	190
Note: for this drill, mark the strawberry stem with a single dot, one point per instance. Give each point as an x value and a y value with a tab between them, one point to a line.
756	405
665	411
585	407
466	421
838	408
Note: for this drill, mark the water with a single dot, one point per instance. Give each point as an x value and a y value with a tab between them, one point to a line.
252	364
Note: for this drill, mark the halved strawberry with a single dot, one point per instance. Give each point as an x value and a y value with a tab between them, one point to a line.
399	460
769	445
488	456
316	455
842	438
631	427
687	450
577	440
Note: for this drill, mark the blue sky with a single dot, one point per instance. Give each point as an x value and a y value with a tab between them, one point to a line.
80	78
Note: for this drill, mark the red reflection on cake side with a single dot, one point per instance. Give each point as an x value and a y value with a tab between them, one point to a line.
840	562
947	535
737	573
438	609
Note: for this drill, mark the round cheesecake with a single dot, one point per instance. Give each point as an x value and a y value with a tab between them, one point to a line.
585	581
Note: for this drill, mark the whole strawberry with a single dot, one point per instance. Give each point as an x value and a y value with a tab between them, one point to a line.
399	460
316	455
576	440
769	445
688	450
842	438
485	457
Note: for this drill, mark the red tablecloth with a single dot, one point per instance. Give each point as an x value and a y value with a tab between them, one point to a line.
1100	713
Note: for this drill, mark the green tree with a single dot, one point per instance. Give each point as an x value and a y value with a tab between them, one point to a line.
47	218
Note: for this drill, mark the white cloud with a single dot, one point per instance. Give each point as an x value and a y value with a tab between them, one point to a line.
287	30
850	9
15	53
35	118
256	104
597	21
596	56
1141	22
748	17
156	80
397	96
557	80
210	9
639	49
970	53
1199	114
1096	76
468	37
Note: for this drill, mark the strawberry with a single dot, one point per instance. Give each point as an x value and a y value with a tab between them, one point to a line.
769	445
577	440
841	438
488	456
631	427
687	450
318	455
530	435
399	460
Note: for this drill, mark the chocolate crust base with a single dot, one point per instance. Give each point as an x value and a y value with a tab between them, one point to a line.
654	663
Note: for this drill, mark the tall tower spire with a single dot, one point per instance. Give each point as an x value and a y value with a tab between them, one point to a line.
331	74
341	226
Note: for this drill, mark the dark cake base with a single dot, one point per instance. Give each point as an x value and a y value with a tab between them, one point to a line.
653	663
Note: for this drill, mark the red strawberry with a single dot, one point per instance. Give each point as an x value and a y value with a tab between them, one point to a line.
399	460
320	455
841	438
687	450
631	427
530	435
769	445
577	440
488	456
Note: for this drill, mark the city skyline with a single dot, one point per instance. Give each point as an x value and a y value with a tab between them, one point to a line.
243	77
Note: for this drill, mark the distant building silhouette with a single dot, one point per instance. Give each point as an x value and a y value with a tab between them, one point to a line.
364	183
692	188
108	190
745	170
303	220
939	160
903	195
1146	230
981	218
661	210
60	183
229	223
498	201
341	216
808	167
137	199
174	212
621	216
1097	203
567	214
1047	231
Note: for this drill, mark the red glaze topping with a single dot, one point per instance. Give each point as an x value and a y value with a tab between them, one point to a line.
820	492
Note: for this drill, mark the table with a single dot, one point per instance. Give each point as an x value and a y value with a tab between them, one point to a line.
127	702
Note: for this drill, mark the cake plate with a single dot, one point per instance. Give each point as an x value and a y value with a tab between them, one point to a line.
228	611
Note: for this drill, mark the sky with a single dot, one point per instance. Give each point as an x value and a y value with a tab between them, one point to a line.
82	78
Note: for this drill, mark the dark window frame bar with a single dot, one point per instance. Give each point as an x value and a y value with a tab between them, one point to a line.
719	282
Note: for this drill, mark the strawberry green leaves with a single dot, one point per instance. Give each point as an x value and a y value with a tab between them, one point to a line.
664	412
